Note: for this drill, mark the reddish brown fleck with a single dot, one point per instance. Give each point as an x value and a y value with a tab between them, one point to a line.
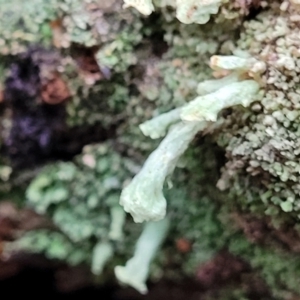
183	245
55	90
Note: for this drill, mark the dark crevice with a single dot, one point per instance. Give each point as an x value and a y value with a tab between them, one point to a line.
39	132
42	277
254	10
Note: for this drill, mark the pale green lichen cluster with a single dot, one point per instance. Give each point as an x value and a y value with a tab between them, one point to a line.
262	147
199	11
37	21
82	211
51	187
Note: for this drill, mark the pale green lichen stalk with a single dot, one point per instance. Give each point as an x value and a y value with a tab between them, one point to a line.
136	270
117	223
158	126
143	197
102	253
208	106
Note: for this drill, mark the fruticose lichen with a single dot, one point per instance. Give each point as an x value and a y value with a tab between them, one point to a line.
187	109
136	270
143	197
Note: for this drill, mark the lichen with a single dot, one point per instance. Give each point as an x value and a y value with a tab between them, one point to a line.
84	213
136	269
143	197
211	99
262	146
201	11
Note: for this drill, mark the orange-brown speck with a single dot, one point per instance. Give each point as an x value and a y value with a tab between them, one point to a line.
183	245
